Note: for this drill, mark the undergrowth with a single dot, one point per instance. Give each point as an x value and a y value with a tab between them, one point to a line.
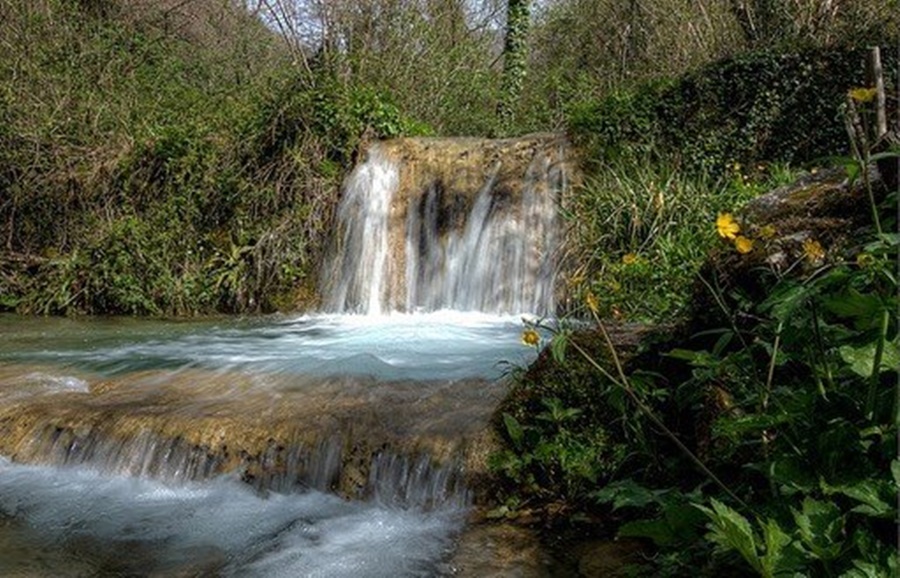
760	439
149	168
639	233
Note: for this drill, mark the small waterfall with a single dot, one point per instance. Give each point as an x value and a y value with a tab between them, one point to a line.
287	465
463	224
365	210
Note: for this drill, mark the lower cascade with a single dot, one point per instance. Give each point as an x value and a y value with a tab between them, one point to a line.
341	443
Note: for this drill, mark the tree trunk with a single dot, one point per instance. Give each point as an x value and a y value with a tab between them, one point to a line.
515	61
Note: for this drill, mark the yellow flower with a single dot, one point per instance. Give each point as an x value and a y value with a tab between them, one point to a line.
591	300
767	232
863	94
813	250
531	338
727	226
743	244
629	258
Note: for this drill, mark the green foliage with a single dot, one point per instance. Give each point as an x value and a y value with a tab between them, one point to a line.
188	174
758	107
555	453
788	394
645	231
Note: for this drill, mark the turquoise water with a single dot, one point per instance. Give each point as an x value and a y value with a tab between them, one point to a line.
440	345
80	520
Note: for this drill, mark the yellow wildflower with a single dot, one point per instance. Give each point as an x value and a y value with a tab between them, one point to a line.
727	226
531	338
743	244
629	258
813	250
766	232
591	300
863	94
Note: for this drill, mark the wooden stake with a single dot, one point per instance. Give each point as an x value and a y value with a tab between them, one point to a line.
880	98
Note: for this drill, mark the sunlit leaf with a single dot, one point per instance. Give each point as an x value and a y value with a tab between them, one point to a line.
862	359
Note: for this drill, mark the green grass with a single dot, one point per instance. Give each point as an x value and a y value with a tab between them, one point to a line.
641	231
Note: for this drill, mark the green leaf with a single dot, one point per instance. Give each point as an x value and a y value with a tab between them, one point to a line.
722	343
777	558
558	346
785	299
862	359
695	358
731	531
626	493
657	530
864	308
863	569
876	496
821	528
514	429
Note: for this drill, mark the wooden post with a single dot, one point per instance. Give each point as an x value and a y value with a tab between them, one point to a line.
880	98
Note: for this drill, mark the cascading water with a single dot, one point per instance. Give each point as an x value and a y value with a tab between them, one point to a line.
414	240
217	447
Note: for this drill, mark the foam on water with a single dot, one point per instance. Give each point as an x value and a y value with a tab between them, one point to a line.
220	527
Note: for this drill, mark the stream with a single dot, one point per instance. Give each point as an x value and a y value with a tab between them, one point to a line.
84	514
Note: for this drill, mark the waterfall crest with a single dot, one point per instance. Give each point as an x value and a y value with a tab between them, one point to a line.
463	224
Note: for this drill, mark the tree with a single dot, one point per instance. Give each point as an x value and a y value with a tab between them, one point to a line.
515	60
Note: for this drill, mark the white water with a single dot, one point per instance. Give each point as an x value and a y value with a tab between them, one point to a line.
117	509
78	522
363	255
495	257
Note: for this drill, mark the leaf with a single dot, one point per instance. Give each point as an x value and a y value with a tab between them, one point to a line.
876	497
862	359
864	308
731	531
777	558
695	358
558	347
514	429
657	530
722	343
863	569
685	520
626	493
786	298
895	471
821	528
852	172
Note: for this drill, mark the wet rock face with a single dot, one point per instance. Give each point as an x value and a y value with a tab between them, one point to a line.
402	442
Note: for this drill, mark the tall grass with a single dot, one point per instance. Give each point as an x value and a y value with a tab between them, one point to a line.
639	231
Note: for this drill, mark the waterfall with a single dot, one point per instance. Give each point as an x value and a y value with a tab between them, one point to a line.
462	224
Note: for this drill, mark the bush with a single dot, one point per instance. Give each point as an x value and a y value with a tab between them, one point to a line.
759	107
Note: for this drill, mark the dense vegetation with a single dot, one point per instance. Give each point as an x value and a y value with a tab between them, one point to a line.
158	162
173	158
